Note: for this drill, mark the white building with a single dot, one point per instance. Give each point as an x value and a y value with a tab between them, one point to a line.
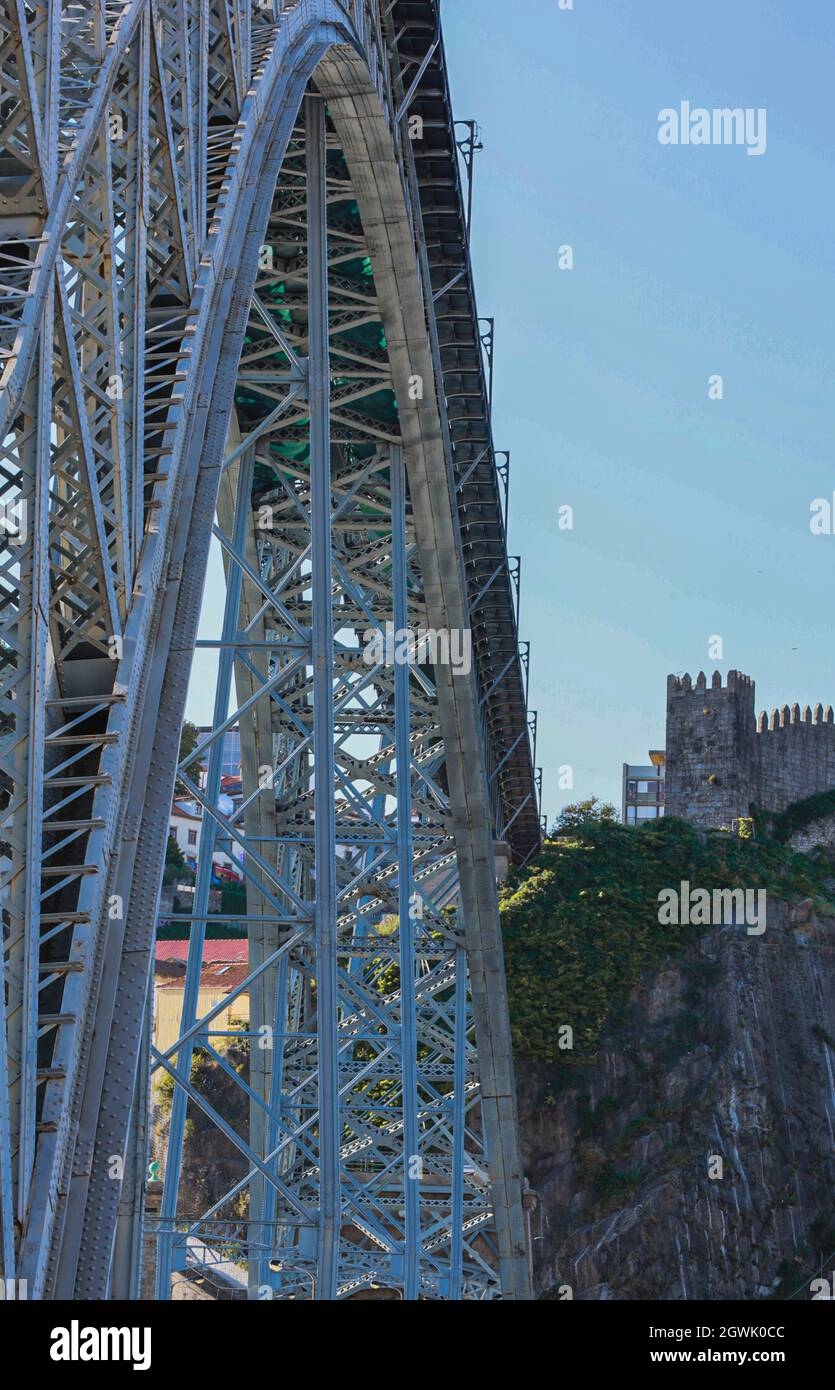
184	825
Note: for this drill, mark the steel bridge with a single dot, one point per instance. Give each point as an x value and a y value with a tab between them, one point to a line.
239	337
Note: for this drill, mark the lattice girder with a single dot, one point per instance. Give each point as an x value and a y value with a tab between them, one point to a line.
130	288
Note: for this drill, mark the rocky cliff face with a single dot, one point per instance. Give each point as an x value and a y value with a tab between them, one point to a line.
695	1158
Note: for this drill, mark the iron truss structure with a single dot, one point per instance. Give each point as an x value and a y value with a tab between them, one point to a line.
238	337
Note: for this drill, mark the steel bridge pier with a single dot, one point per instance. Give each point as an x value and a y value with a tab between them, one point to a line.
240	355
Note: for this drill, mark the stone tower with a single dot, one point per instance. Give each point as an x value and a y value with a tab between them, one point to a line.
712	763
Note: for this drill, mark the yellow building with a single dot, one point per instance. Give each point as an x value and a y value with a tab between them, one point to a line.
225	966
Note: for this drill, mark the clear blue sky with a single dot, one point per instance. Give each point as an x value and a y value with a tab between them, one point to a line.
691	515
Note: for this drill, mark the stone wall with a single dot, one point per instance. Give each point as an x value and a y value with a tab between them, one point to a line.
721	759
796	755
819	833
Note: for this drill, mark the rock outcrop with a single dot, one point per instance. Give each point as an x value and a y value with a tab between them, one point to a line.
695	1158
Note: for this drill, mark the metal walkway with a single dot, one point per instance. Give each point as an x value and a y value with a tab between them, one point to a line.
237	321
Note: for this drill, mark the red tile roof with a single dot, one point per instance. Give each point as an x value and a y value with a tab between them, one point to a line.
220	975
226	950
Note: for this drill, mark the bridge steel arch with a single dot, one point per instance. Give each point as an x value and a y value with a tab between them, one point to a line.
156	156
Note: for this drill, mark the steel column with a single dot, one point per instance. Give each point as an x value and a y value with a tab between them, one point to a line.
197	936
412	1161
323	716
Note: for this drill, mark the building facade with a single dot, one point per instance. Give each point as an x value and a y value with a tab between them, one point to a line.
184	826
644	795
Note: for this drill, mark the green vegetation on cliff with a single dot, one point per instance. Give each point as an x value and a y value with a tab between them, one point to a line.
801	814
580	924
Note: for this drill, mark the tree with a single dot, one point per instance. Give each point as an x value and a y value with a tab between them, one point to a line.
173	854
188	743
174	861
592	811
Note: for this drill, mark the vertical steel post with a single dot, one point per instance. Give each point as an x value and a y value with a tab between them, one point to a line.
38	632
408	1022
323	718
197	933
459	1116
202	120
128	1251
7	1226
269	1195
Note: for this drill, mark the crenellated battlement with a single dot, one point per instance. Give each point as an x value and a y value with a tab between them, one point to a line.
718	766
793	718
684	685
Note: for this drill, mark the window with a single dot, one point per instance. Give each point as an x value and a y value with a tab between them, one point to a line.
630	815
631	788
646	813
643	788
192	837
